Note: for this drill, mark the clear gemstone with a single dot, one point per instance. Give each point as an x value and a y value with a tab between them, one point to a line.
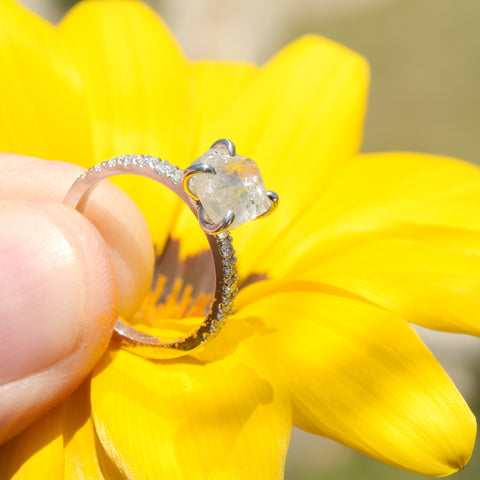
230	281
168	168
227	304
151	161
229	269
227	250
164	168
237	185
142	161
176	176
223	235
226	290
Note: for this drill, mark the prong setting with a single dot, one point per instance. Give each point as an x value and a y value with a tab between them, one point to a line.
228	144
215	228
274	198
193	170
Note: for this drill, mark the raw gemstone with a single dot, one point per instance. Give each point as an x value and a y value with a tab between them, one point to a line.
237	185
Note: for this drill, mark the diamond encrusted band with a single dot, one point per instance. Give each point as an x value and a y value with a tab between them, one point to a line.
223	169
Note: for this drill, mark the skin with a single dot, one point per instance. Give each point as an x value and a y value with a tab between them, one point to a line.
64	278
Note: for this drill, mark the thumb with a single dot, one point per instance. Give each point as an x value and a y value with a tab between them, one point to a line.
57	307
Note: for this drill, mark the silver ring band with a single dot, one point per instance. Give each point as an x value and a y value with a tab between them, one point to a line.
218	236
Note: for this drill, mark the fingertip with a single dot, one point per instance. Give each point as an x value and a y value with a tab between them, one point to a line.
125	231
58	304
99	262
113	213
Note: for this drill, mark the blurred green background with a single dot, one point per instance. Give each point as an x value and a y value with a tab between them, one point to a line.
425	77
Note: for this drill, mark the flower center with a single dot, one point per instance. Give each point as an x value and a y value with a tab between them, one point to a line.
175	303
181	287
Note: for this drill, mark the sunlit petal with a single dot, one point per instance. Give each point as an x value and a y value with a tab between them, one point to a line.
38	451
362	377
406	238
214	86
198	419
84	456
136	80
297	121
43	111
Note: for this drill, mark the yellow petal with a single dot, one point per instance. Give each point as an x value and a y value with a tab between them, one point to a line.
43	110
85	458
214	86
135	78
403	231
136	81
192	419
361	376
300	119
378	192
35	453
428	276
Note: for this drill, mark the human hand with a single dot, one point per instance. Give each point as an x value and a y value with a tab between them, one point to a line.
64	276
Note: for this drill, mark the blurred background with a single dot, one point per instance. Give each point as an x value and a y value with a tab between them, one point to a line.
425	96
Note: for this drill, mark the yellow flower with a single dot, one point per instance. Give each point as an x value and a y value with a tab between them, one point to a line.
320	336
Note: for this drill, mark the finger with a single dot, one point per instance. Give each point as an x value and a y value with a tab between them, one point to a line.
113	213
57	307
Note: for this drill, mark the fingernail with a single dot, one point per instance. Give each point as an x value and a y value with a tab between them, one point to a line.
41	287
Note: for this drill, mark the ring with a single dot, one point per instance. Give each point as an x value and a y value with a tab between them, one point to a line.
223	190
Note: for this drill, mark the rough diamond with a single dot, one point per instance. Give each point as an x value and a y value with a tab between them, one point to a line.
237	185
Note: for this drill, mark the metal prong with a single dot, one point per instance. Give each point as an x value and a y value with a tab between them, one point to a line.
228	144
193	170
212	228
274	199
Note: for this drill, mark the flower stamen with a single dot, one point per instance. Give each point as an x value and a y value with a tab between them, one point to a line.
177	303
